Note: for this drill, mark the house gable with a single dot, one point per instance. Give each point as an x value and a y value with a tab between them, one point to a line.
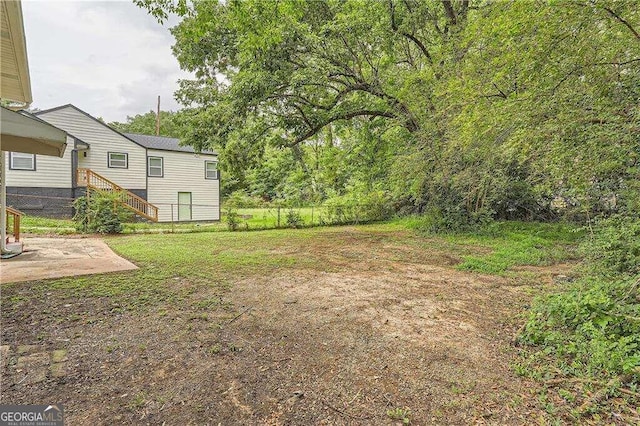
101	140
47	111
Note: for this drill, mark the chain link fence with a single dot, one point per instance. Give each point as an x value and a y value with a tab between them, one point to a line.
303	216
53	214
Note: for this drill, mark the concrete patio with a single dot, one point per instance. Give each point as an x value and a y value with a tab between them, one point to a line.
45	258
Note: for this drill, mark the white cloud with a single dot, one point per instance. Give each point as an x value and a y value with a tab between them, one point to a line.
109	58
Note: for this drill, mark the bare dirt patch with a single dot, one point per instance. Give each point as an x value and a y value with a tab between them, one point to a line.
377	329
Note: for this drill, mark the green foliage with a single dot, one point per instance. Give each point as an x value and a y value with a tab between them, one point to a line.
465	110
240	199
400	414
468	111
101	213
293	219
359	206
592	328
615	247
232	218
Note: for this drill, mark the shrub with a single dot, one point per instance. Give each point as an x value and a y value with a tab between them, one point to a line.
294	220
615	247
102	212
593	326
452	219
357	207
339	213
241	200
232	218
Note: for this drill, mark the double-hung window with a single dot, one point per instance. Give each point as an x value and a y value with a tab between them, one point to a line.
22	161
118	160
155	167
211	170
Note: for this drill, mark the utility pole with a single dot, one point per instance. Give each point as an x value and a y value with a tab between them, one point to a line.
158	118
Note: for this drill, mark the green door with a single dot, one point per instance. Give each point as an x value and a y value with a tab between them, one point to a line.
184	206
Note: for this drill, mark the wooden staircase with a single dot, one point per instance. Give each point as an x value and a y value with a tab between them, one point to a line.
129	200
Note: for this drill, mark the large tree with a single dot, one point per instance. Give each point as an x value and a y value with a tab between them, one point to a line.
487	103
287	69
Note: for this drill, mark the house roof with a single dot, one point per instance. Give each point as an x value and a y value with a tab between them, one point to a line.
164	144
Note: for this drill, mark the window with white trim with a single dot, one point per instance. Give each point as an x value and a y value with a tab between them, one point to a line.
118	160
155	167
211	170
22	161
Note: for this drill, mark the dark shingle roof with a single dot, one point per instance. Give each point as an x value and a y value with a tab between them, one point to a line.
163	143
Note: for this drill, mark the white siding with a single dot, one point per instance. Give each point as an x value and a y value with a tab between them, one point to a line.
184	172
50	172
102	141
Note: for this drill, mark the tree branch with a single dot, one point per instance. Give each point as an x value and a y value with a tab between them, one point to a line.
451	13
344	116
502	94
413	38
419	44
625	23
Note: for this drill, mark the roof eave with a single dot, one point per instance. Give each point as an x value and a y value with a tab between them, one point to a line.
21	133
18	55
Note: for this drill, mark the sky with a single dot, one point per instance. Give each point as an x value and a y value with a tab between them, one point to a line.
108	58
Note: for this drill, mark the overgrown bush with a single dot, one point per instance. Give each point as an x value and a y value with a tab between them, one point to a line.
358	207
294	220
241	200
592	328
451	219
232	219
339	213
101	213
615	247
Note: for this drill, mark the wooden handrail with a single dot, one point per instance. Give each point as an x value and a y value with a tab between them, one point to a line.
16	215
140	206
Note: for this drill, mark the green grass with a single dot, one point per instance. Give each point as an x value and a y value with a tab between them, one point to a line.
208	254
185	271
250	219
519	243
502	245
214	260
42	225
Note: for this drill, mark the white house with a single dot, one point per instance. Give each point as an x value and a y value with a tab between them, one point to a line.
163	180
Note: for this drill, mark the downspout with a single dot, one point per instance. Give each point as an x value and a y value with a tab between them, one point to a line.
74	170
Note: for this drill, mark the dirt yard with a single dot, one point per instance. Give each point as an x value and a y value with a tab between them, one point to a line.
372	328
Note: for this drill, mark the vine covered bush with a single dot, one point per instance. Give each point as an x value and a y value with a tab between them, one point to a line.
593	326
358	207
101	213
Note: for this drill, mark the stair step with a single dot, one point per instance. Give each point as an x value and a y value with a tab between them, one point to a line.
140	206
